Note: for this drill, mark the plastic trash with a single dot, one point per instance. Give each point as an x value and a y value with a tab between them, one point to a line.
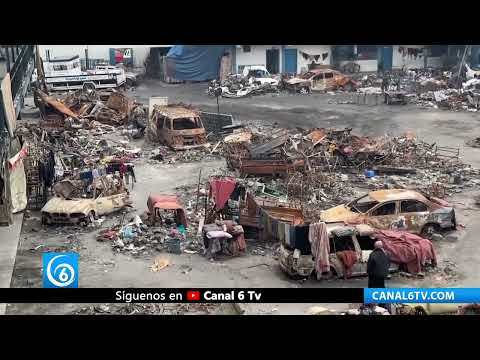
369	173
181	229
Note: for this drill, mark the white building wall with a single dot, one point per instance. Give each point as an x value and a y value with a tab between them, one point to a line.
140	52
258	55
302	63
402	59
365	65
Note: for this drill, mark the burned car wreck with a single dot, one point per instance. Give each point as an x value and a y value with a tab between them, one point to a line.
320	80
178	126
350	247
76	202
395	209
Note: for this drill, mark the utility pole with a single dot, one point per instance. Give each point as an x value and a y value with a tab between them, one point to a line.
462	63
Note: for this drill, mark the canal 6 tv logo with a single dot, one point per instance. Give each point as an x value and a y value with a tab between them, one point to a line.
60	270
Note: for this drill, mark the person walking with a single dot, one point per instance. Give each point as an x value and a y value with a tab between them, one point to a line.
378	266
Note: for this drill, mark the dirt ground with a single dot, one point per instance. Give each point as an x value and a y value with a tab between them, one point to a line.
102	267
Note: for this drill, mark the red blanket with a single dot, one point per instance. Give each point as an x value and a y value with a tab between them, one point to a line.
406	248
348	259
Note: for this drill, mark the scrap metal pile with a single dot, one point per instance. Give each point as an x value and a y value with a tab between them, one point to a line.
319	168
71	160
237	86
427	88
88	109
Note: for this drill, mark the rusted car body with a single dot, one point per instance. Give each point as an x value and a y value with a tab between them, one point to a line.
178	126
395	209
159	203
321	80
71	211
341	238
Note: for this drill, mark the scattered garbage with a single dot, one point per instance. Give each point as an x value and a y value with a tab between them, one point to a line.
159	264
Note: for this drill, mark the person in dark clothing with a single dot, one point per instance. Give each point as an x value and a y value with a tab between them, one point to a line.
378	266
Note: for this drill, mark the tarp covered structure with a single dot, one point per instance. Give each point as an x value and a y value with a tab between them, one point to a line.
195	62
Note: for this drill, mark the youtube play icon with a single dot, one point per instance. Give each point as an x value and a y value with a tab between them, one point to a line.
193	295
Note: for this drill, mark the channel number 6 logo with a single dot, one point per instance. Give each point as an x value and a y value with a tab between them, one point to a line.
60	270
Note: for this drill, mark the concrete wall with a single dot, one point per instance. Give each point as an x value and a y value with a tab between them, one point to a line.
409	62
435	62
302	63
258	55
140	52
365	65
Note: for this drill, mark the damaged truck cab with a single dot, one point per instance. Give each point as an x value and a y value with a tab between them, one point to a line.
178	126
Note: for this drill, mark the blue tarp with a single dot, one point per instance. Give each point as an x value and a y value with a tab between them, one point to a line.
195	62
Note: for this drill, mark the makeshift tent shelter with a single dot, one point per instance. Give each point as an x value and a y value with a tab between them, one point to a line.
195	62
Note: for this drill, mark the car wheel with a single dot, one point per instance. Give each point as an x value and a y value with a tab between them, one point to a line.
331	275
88	219
129	83
347	87
46	220
304	91
429	229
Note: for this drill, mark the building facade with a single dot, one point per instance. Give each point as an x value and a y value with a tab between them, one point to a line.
281	58
371	58
138	53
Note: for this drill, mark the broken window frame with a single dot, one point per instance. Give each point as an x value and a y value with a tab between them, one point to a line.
372	211
402	211
352	204
195	120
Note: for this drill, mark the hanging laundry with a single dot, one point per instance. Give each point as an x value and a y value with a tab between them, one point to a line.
221	190
318	238
324	56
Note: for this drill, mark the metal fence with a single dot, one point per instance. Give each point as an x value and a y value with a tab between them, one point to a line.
18	58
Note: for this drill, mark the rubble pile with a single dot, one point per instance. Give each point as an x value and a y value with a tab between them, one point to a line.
137	238
428	88
148	308
238	86
86	109
166	155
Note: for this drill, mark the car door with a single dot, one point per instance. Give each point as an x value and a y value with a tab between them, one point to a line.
109	204
318	83
360	267
329	81
103	204
383	215
415	214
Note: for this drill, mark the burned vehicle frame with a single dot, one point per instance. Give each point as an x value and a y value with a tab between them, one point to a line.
320	80
395	209
178	126
103	199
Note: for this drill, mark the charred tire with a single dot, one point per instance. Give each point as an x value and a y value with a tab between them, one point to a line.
46	220
347	87
88	219
129	83
88	86
331	275
304	90
429	229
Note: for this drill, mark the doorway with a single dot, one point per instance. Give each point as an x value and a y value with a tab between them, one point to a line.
290	61
273	61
